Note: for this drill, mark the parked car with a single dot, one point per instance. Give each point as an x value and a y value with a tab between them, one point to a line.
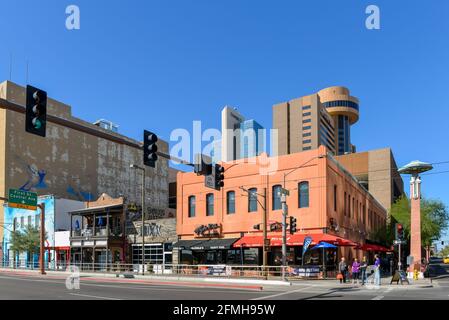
446	260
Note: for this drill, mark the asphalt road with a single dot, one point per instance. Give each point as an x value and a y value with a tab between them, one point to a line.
26	287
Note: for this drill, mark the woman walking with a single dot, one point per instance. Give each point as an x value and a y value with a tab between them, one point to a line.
355	271
377	270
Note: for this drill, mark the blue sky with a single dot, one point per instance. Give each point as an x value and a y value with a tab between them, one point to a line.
160	65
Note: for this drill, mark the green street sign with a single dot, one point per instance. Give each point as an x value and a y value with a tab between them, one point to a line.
22	199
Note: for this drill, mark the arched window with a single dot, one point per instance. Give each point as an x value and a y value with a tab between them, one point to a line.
303	194
252	200
192	206
230	199
277	205
210	204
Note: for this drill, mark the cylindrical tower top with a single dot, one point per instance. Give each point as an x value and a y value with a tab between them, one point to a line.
338	102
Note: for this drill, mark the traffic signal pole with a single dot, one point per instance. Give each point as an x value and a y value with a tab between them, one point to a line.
284	235
42	239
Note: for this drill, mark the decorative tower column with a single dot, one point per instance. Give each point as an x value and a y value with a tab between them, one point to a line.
414	169
415	221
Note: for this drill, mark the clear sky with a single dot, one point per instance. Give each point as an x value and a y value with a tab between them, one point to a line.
161	64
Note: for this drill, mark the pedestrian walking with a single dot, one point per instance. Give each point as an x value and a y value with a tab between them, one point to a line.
377	270
363	268
355	271
343	269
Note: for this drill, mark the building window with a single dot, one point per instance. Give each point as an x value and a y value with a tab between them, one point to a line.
307	121
335	198
277	197
306	114
307	128
308	134
306	107
231	202
252	200
303	201
306	141
306	148
29	221
192	206
209	205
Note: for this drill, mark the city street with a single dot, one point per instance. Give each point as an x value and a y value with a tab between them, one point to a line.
31	287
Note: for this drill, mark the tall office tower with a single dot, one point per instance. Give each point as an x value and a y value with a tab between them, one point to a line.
323	118
253	139
240	138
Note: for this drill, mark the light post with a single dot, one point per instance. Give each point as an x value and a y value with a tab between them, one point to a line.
286	193
134	166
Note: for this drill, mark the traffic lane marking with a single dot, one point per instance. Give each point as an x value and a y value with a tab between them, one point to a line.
95	297
282	293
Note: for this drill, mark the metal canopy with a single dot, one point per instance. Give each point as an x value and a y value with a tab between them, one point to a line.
415	167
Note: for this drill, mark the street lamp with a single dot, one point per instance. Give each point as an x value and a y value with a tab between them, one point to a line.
134	166
285	213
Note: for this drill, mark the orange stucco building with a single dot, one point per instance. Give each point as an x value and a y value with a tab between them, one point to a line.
329	204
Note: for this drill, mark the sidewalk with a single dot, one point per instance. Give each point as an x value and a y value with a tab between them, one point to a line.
385	283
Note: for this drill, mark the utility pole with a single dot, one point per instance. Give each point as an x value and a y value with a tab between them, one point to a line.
265	244
265	237
284	233
42	239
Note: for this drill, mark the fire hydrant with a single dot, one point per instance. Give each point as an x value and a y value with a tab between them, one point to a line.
415	274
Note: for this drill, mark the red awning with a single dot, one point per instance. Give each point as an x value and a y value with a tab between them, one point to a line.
374	248
292	240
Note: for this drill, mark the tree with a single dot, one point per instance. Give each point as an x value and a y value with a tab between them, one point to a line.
444	252
26	240
434	218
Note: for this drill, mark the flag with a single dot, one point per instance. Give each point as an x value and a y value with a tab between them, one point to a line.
305	246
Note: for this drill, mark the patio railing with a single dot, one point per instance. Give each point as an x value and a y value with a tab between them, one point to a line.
220	271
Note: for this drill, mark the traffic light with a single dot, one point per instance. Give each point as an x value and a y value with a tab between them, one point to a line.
150	149
399	231
293	225
202	165
219	177
36	111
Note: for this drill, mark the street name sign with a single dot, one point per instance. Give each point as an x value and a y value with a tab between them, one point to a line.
396	242
22	199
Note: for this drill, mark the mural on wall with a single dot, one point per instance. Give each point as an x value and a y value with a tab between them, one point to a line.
36	178
76	191
23	217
